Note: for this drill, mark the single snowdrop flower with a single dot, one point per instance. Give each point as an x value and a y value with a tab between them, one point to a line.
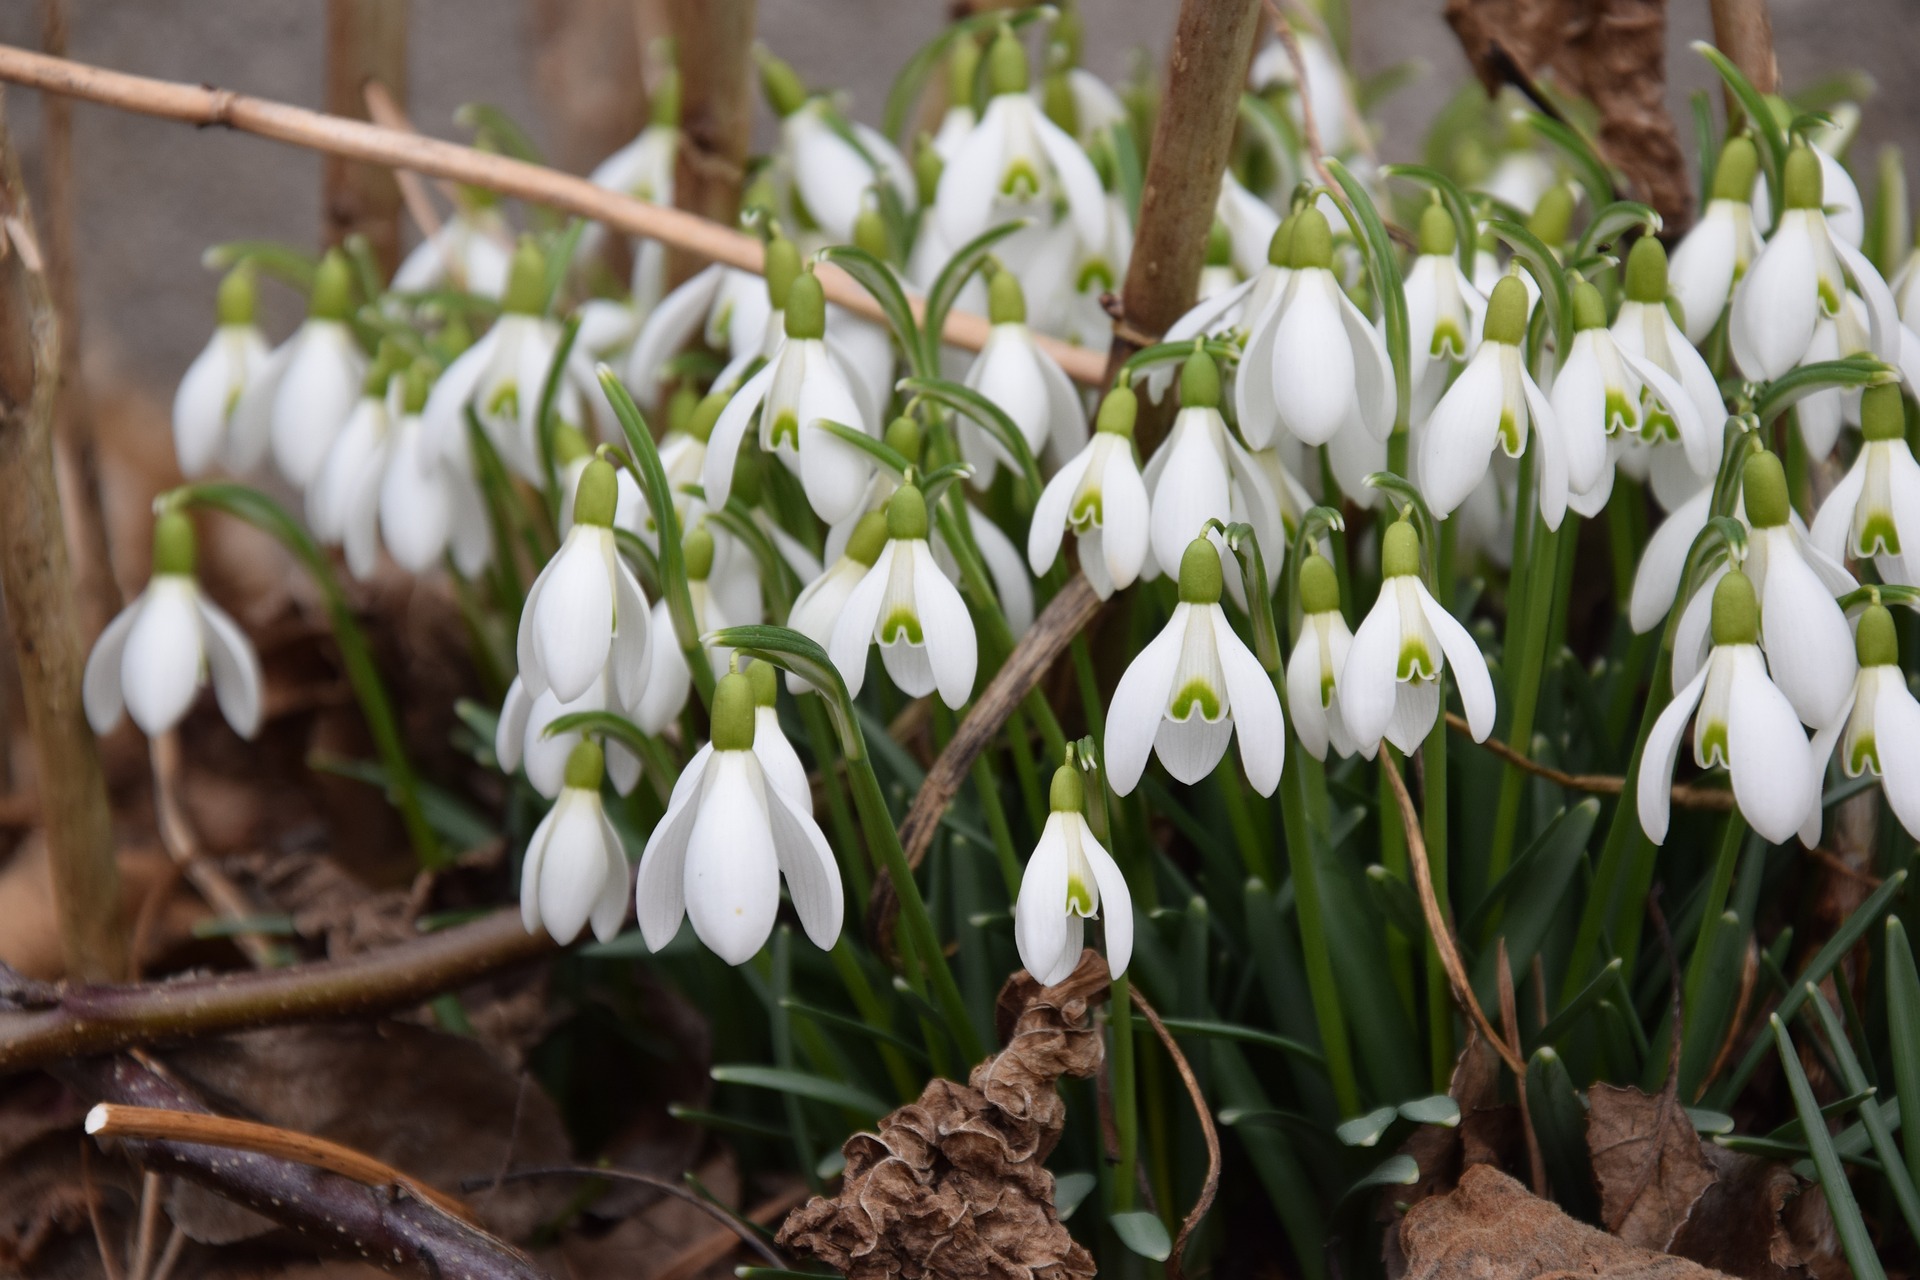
1646	334
1193	687
727	309
820	604
1318	366
1313	672
217	380
1238	313
299	401
1716	253
1744	723
1802	274
1494	402
500	378
1068	879
426	506
470	251
1445	312
1840	197
827	162
575	872
1101	496
1015	162
586	608
730	833
643	169
1874	512
957	121
1389	686
153	657
572	455
1201	473
1249	223
1024	382
520	738
906	605
343	503
1336	114
804	383
1802	628
1880	731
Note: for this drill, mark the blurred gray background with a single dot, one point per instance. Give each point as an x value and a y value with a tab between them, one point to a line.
150	195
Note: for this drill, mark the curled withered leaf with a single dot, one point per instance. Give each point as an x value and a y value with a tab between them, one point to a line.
1647	1160
954	1185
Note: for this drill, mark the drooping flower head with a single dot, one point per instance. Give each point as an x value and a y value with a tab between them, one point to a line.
575	873
1313	672
309	385
1026	383
211	390
1715	254
1445	312
906	605
1879	733
1874	512
1100	495
1069	879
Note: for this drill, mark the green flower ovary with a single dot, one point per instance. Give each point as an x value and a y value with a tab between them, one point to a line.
1196	696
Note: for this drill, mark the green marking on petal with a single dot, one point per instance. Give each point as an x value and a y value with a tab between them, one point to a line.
1447	340
1829	297
1097	271
1713	742
1660	425
1326	689
1087	511
1020	181
901	624
505	402
1510	437
1198	696
1080	900
1415	662
1878	536
786	426
1621	412
1863	754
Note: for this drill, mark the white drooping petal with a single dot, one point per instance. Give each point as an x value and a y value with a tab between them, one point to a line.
853	632
732	872
779	761
1042	924
723	445
1808	644
1254	706
314	396
1367	684
1776	302
963	202
1702	271
416	499
1580	407
100	685
210	393
510	730
1468	664
1896	727
573	864
1140	703
1079	181
1193	484
1116	900
669	680
1460	436
1656	580
1049	521
1654	789
833	472
1767	753
250	427
812	875
832	177
233	666
570	615
1313	362
630	659
660	888
952	650
161	665
1011	586
1126	520
670	327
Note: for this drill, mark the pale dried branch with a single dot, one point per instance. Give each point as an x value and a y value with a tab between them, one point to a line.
388	114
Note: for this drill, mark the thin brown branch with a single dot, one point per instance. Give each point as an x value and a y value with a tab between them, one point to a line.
317	131
1510	1028
1208	1188
1437	922
1063	619
152	1192
37	583
666	1186
1206	66
702	1254
1599	784
388	114
49	1025
390	1224
155	1124
1309	127
109	1256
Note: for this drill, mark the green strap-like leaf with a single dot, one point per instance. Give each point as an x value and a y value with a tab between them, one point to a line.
877	278
946	290
1383	263
988	415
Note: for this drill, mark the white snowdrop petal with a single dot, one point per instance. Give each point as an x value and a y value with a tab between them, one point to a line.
723	445
610	908
1654	789
1126	520
1040	912
813	877
1192	748
1464	658
1313	365
234	667
1049	521
572	619
670	327
1366	684
1896	726
732	867
1254	707
574	866
1656	580
1193	486
100	685
1461	433
779	761
1768	756
1776	302
160	667
1140	702
315	394
853	633
1116	903
1303	694
1808	644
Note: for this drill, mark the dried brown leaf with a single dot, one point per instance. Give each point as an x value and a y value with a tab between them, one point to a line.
1737	1225
1647	1162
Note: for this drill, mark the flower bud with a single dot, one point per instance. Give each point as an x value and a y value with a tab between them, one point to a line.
963	67
870	234
569	444
785	91
1219	245
700	422
903	437
665	108
419	382
927	168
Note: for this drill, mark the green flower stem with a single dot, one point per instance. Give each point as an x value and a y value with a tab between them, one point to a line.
356	655
547	420
845	963
1434	829
1525	663
1126	1104
1253	850
1003	851
845	834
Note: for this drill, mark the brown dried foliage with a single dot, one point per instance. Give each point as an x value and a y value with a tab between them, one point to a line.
1648	1162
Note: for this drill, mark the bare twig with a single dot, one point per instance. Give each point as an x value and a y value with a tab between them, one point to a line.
702	1254
75	1021
1743	31
1309	127
1437	922
1599	784
388	114
1206	66
109	1256
169	1256
37	582
152	1188
366	44
1204	1201
391	1224
194	104
1510	1025
748	1236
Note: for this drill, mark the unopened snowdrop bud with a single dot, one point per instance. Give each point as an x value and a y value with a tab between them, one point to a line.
1313	672
1100	495
1186	693
1493	403
1744	723
575	872
906	605
1389	686
1719	248
718	854
1068	881
153	657
1874	512
1880	732
211	390
586	609
1015	374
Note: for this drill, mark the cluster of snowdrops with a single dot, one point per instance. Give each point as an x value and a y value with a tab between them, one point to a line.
917	495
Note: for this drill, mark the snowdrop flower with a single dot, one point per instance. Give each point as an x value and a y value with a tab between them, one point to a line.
1015	161
1494	401
309	385
586	608
501	377
1389	686
1445	312
1201	473
1880	730
1313	673
669	679
343	503
1715	254
575	872
425	504
1313	365
827	173
1801	275
520	737
218	378
1802	628
1334	111
1249	223
957	121
1237	312
802	384
1840	198
1875	509
472	251
1744	723
906	605
730	833
820	604
1217	272
1646	334
1068	878
153	658
643	169
1101	496
1195	685
727	309
1656	579
1026	383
